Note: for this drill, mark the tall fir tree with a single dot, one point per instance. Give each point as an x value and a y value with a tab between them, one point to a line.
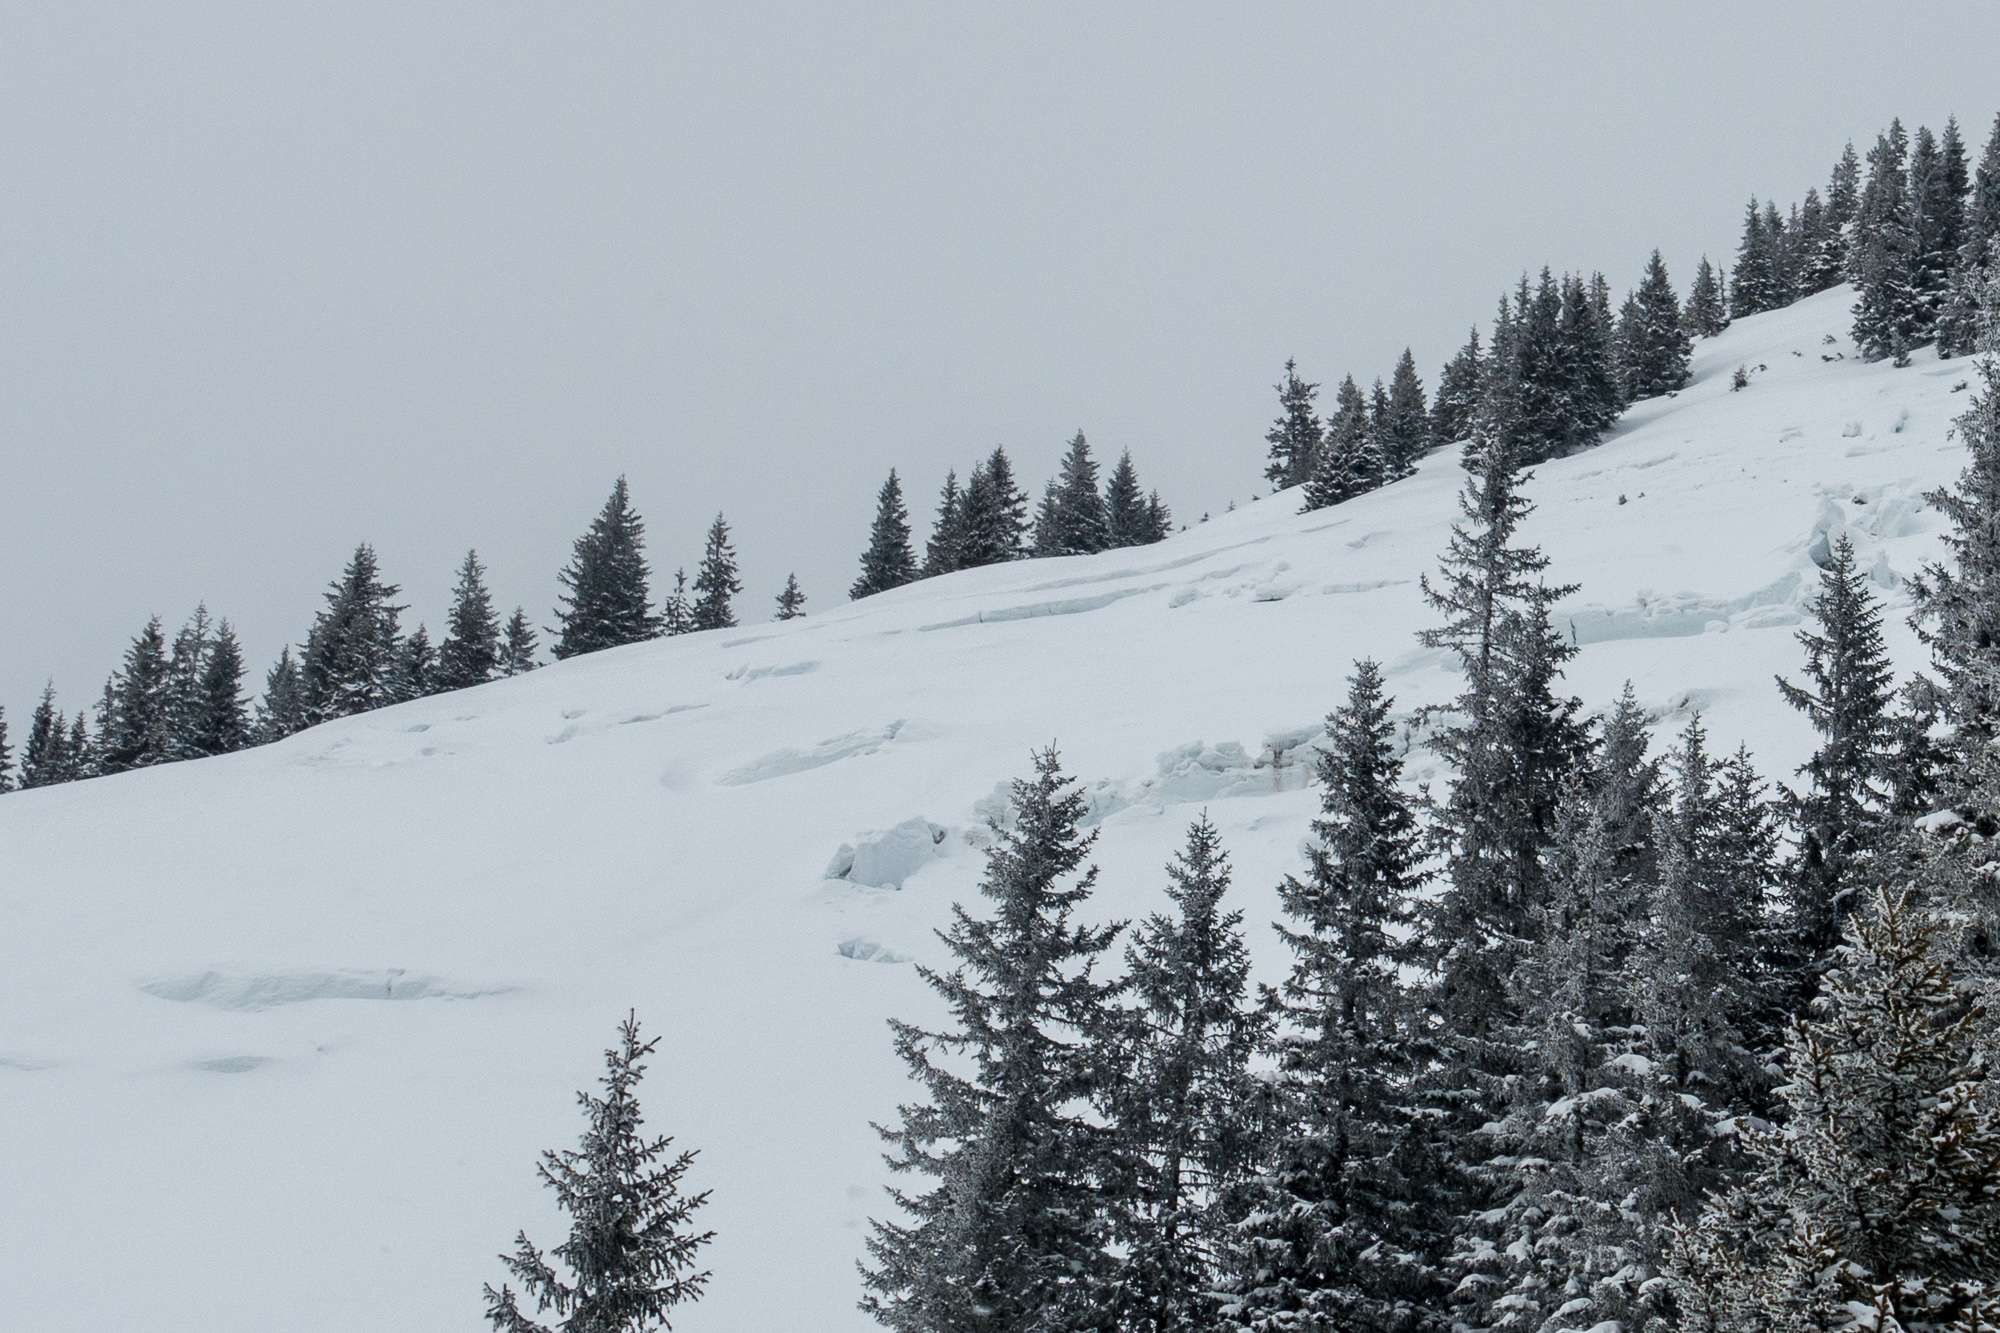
715	583
1937	216
517	645
1013	1235
1587	340
416	667
1654	345
1840	815
1082	526
282	710
221	716
677	608
1178	1111
6	756
1705	315
632	1249
993	515
1843	202
1125	505
1340	1211
1756	281
607	602
941	553
791	600
888	562
1297	435
1889	314
351	658
1407	434
470	653
1458	394
42	754
185	661
134	719
1349	462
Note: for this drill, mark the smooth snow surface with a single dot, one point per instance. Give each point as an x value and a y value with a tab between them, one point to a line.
215	1122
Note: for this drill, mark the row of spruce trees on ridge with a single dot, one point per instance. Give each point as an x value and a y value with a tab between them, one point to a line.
1594	1039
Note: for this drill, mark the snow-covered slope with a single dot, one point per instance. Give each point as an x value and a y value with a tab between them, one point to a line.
281	1033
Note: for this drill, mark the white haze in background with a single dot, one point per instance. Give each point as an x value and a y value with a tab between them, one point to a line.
277	279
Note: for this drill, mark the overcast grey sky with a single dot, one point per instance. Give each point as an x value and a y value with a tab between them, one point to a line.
278	278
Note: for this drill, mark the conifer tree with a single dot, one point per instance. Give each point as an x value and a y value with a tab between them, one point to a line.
517	645
715	583
221	722
1012	1235
470	653
947	534
1878	1202
1048	523
351	657
1296	436
1937	215
1125	505
1655	347
677	611
1408	435
134	720
79	756
791	601
182	700
993	515
1586	344
1179	1112
1349	462
1458	394
607	600
1818	256
6	756
1889	315
1159	520
282	710
1755	288
42	754
1341	1206
632	1250
1840	814
1082	526
1958	599
1843	201
1782	237
1704	316
888	562
416	667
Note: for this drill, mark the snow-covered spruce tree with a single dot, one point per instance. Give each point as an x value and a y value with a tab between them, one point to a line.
1458	394
1180	1109
221	718
1407	432
791	600
1877	1205
1971	303
1048	523
1295	437
1843	201
1125	505
1012	1236
1349	463
1705	316
282	710
1938	184
888	562
351	653
470	653
1755	288
631	1252
416	666
42	752
607	603
1343	1220
677	608
183	687
1958	599
6	756
993	515
1889	314
716	582
1588	341
1081	523
1840	816
1159	520
948	532
1655	347
134	721
517	645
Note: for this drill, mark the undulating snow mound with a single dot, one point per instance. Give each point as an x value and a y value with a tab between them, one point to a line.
748	835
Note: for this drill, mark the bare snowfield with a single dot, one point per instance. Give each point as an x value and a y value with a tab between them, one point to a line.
281	1033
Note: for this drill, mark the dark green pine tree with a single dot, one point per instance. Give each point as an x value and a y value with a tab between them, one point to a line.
941	553
42	756
608	601
1407	437
221	721
1343	1212
6	756
677	611
1843	201
888	562
1179	1111
1458	394
517	645
1082	527
1937	216
282	710
470	653
1350	462
1125	505
1013	1234
1559	386
716	582
1705	316
1511	742
1878	1201
1655	347
1840	816
183	691
1048	523
416	667
1587	343
791	600
1818	259
1958	599
1889	314
993	515
632	1249
1783	238
134	721
353	652
1159	521
1755	288
1296	436
1969	297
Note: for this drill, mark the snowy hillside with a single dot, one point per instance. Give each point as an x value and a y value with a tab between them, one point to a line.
281	1033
